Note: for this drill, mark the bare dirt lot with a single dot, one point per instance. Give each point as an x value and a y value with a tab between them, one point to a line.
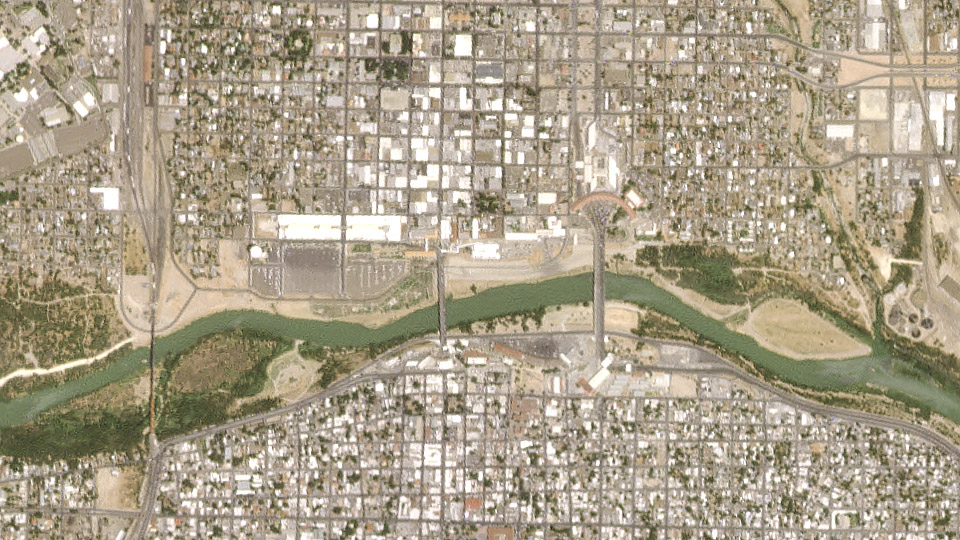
873	103
569	318
233	266
623	319
290	376
528	379
852	71
118	487
789	328
683	386
798	106
135	258
800	9
874	137
883	258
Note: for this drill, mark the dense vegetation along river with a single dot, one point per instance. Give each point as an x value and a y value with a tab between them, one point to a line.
878	370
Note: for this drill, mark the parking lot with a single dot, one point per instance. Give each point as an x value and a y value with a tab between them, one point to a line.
266	280
311	269
369	277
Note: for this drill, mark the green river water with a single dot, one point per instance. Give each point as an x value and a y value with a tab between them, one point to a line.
878	370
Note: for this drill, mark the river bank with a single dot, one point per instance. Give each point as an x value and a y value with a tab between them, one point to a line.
877	371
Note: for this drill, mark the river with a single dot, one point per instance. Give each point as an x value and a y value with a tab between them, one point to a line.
877	370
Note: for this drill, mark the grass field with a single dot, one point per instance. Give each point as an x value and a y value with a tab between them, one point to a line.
788	327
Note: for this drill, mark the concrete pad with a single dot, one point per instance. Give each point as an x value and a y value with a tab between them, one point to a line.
395	100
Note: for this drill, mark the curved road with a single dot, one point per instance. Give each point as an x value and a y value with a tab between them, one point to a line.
713	365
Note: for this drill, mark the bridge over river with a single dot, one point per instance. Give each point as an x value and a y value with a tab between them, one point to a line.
876	372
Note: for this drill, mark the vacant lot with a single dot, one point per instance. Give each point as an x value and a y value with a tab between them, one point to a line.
799	11
291	376
135	257
789	328
118	487
683	386
623	319
873	104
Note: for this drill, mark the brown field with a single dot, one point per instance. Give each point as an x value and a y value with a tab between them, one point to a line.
291	376
852	71
174	294
535	258
623	319
873	103
789	328
460	288
148	63
118	488
265	226
567	318
234	264
844	185
798	110
683	386
800	9
877	135
527	379
135	257
883	258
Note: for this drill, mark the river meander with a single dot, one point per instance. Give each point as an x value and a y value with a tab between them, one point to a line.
878	370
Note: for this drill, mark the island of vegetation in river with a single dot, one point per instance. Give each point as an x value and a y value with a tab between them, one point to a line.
256	337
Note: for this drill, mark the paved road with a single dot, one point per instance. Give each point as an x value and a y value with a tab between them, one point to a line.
441	297
599	213
709	364
146	194
599	260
